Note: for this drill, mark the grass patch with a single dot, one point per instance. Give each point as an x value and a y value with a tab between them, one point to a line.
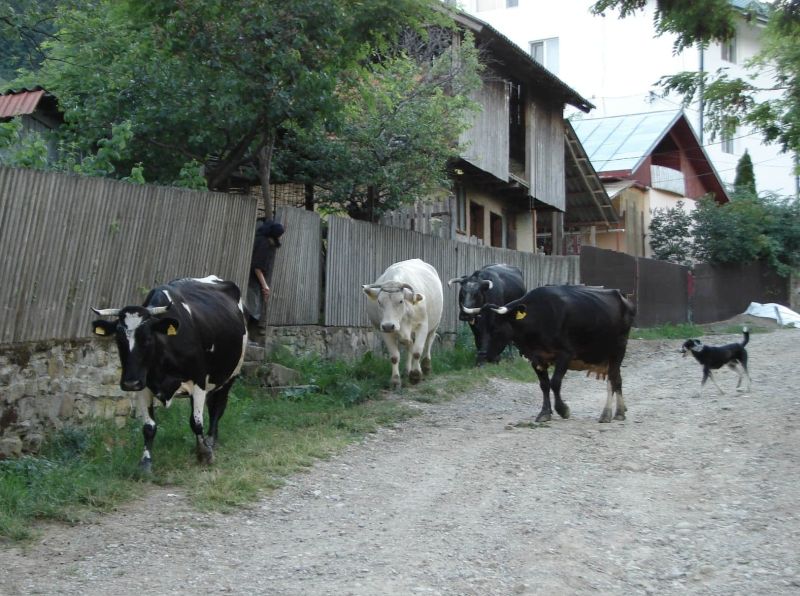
689	330
263	439
668	331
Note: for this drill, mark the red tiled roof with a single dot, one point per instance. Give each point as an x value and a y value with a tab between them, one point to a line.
16	104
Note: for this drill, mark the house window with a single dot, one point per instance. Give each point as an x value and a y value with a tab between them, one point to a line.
545	52
729	50
476	220
483	5
496	231
727	141
461	208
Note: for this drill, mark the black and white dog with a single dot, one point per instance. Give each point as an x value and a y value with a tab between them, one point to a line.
715	357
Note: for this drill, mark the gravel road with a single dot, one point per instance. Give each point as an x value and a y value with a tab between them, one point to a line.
687	496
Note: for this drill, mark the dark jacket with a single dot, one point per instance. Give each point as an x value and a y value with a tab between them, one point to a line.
263	250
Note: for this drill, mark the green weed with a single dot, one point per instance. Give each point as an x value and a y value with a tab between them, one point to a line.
263	438
668	331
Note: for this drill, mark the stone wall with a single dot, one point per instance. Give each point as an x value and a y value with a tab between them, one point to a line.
45	386
344	343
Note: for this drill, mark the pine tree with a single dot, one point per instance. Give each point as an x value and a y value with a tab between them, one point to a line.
745	182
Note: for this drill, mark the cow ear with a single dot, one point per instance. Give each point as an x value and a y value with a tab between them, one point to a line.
372	293
520	312
104	328
416	298
166	326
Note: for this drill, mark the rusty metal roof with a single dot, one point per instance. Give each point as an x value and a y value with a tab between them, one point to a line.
19	103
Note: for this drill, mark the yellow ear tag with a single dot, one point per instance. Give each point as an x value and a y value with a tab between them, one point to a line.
520	315
171	330
99	331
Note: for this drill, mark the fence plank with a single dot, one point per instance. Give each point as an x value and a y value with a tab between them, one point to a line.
70	242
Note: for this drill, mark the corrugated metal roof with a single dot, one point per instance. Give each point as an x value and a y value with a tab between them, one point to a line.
620	143
19	103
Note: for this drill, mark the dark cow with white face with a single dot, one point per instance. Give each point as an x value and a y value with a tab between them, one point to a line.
189	337
493	284
569	328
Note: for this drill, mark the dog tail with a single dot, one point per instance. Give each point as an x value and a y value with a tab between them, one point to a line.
746	333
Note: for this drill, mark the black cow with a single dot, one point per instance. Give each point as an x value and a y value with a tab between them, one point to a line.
189	337
568	327
494	284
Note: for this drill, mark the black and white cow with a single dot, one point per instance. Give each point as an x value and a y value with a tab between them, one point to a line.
569	328
188	337
493	284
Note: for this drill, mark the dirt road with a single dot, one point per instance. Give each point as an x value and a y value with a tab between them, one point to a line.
689	495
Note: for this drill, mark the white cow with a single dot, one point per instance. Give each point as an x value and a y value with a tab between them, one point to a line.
405	303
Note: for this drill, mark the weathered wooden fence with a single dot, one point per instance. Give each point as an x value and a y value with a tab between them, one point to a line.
359	252
721	292
669	293
71	242
297	275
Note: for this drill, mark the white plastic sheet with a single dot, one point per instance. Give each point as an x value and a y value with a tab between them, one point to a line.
783	315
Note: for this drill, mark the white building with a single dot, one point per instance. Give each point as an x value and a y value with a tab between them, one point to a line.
616	64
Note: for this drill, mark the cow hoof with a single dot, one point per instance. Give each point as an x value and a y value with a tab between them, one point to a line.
205	457
415	376
205	450
563	411
395	383
426	366
605	416
146	466
619	416
544	417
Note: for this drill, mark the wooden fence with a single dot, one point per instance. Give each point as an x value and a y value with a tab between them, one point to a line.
297	275
669	293
70	242
359	252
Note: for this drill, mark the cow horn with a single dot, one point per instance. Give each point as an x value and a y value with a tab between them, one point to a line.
456	280
489	283
470	311
106	312
500	311
157	310
406	286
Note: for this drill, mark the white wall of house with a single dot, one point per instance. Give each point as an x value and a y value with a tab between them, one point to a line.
616	64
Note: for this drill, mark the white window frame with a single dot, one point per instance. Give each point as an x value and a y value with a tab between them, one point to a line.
461	207
549	48
728	50
726	142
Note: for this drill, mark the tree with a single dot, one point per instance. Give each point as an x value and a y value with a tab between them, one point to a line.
745	181
24	26
729	233
731	102
670	236
211	81
399	129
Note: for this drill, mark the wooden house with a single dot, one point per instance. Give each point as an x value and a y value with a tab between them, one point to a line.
38	111
523	181
646	161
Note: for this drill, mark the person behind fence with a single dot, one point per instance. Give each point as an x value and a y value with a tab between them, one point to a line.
265	245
